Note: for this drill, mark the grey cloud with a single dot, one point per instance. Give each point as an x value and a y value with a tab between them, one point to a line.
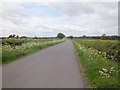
73	8
13	13
81	19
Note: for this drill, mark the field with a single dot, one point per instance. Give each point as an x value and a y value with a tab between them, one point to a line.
14	48
99	60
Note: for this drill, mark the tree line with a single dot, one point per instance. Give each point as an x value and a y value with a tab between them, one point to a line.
61	35
103	37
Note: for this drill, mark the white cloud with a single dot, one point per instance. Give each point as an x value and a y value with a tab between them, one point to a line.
77	19
73	8
99	18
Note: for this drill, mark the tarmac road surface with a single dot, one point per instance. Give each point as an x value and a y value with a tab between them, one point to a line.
53	67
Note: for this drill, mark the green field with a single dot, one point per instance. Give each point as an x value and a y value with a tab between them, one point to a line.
99	61
13	48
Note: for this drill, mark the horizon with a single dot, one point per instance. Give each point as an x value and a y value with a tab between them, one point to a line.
56	36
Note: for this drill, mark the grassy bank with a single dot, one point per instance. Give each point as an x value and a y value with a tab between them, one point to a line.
110	49
13	50
99	71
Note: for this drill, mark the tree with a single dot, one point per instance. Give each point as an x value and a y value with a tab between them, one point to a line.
71	37
103	36
17	36
23	37
35	37
84	36
60	35
12	36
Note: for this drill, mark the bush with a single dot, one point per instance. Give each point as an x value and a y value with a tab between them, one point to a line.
60	35
111	47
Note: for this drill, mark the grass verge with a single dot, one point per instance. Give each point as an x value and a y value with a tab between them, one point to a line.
99	72
10	54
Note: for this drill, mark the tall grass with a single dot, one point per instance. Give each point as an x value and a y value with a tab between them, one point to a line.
100	72
11	52
109	48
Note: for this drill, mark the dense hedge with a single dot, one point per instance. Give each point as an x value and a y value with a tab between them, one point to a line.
109	48
16	48
18	42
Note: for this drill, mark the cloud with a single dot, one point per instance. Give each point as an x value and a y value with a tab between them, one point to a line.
73	8
94	17
40	9
75	18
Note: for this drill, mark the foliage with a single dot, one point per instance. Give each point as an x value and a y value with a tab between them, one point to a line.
103	37
84	36
60	35
12	36
108	48
71	37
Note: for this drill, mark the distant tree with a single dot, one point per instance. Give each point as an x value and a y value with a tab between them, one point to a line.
103	36
17	36
71	37
23	37
12	36
84	36
35	37
60	35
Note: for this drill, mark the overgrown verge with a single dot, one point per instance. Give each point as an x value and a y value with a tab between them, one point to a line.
109	49
10	53
99	71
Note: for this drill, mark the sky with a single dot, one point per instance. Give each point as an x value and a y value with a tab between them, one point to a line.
47	19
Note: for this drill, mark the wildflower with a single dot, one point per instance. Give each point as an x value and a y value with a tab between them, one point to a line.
105	70
95	53
101	72
112	67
